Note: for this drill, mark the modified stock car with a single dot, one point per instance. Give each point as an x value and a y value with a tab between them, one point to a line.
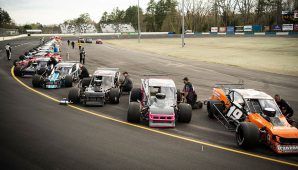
156	102
63	75
101	88
38	66
254	116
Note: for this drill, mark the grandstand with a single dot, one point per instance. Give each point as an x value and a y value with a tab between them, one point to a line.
114	28
71	29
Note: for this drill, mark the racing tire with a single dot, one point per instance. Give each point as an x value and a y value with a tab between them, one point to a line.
247	135
135	95
74	95
17	71
36	80
184	113
68	81
86	82
212	110
114	96
41	71
134	112
197	105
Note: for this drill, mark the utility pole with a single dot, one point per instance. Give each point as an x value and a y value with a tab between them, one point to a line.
139	29
183	31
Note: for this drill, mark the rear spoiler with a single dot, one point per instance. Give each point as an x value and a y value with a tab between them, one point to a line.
112	69
156	75
229	86
70	62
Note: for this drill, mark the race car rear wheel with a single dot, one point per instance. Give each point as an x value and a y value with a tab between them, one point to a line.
114	95
184	113
247	135
74	95
17	71
68	81
135	95
86	81
211	108
37	80
134	112
179	96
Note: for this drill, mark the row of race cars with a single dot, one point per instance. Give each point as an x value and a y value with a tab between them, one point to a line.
253	115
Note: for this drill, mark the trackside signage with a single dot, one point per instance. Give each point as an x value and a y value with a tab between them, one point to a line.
247	28
295	27
287	27
276	28
214	29
230	29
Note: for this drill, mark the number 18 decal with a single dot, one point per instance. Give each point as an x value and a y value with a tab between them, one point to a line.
235	113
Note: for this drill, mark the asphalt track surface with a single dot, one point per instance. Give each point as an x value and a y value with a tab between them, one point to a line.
38	133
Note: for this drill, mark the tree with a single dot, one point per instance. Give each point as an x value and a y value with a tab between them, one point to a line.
5	19
131	15
150	16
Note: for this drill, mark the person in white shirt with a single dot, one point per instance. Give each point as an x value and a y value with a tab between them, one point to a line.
8	51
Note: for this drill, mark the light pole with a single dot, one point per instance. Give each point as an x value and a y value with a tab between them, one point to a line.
139	31
183	31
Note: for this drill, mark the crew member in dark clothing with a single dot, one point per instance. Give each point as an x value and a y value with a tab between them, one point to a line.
84	72
188	92
285	108
68	42
8	51
82	56
127	84
52	61
73	44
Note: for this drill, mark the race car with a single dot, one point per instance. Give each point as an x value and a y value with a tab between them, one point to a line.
88	40
98	41
63	75
81	40
254	117
38	66
101	88
156	102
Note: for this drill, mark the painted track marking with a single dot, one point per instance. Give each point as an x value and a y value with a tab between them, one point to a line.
157	131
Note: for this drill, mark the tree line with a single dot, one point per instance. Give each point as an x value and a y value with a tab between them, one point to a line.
200	15
165	15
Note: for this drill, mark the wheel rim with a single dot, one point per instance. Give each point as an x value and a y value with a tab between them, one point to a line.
239	137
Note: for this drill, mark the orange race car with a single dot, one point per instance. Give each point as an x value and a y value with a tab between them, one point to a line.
254	116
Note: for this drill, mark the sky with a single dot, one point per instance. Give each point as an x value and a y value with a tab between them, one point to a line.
49	12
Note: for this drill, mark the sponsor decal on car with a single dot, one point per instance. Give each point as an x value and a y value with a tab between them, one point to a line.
287	148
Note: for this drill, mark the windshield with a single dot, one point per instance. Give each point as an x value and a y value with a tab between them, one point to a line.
63	70
168	91
258	105
105	80
43	63
265	103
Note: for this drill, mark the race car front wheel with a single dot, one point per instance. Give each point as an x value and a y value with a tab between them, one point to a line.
74	95
247	135
184	113
134	112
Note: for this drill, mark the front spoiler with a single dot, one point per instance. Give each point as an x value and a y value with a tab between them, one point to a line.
94	99
161	120
285	149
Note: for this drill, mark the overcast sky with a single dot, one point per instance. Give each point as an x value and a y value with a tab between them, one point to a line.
56	11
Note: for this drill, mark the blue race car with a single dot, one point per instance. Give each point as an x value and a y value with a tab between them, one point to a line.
63	75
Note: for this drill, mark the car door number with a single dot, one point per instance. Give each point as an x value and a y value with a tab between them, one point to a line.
234	113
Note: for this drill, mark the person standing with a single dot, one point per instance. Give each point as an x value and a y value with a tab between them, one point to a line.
126	85
8	51
188	92
84	72
73	44
82	56
68	42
